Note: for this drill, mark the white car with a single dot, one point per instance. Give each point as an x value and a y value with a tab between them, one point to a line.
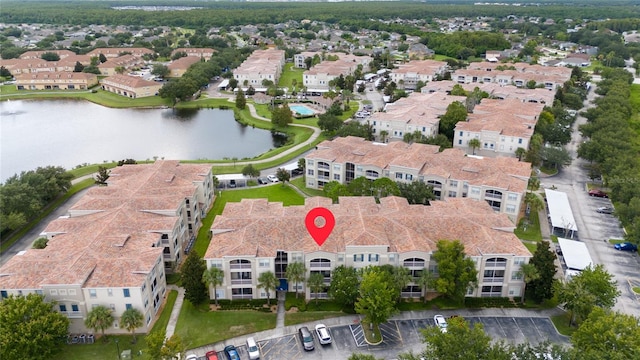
191	357
441	323
252	349
323	334
272	178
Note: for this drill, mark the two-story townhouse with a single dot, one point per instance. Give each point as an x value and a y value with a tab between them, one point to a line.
203	53
111	247
299	60
259	66
179	67
501	181
318	77
518	74
55	81
110	53
114	66
254	236
130	86
37	54
417	112
501	126
495	91
406	76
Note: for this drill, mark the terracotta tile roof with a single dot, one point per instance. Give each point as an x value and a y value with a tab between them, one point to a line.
107	241
418	109
183	62
258	228
128	81
511	117
431	67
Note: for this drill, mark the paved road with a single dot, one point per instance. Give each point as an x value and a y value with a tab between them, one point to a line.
596	229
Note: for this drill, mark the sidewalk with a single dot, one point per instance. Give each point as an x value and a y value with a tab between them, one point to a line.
355	319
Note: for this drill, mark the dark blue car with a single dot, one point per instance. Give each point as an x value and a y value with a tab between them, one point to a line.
626	246
231	352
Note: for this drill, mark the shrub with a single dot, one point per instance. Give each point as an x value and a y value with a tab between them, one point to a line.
291	301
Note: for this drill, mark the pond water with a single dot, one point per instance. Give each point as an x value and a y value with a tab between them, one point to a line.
68	133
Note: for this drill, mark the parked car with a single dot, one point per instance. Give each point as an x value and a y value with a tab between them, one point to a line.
626	246
232	183
211	355
441	323
252	348
263	180
297	172
231	352
323	334
192	357
598	193
605	210
306	338
272	178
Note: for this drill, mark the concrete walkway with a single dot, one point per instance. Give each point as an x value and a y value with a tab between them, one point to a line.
173	319
355	319
280	314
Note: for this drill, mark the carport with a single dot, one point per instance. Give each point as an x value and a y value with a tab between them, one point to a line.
560	214
290	167
576	255
225	179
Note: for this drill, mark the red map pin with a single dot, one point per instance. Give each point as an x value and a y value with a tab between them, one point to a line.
320	233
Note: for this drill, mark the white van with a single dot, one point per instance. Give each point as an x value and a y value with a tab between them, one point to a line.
252	348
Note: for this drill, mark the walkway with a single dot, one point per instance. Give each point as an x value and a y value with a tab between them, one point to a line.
173	319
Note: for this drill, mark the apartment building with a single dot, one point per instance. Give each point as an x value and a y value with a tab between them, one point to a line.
318	77
255	236
495	91
417	112
502	126
56	81
259	66
117	65
406	76
299	59
501	181
517	74
37	54
205	53
110	53
25	66
178	67
116	243
130	86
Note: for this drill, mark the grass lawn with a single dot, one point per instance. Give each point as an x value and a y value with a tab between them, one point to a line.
100	97
636	289
290	73
372	334
615	241
199	326
531	246
561	323
532	231
309	316
299	183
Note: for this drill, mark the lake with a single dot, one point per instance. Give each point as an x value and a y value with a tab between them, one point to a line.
68	133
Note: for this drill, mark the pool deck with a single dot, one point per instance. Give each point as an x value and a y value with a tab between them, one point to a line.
313	109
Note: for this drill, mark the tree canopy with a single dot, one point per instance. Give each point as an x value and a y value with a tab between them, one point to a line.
457	272
377	295
191	276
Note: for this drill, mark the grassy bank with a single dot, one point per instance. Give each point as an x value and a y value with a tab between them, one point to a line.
99	97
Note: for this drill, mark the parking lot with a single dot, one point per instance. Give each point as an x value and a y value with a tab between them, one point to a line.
401	336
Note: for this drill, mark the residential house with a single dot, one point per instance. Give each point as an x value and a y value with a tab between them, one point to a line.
502	126
119	65
417	112
255	236
130	86
518	74
419	51
37	54
110	53
204	53
116	243
406	76
500	181
56	81
495	91
25	66
178	67
259	66
299	59
318	77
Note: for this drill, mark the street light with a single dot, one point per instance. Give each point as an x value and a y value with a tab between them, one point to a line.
118	348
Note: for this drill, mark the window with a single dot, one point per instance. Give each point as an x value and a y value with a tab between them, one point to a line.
216	264
519	141
310	163
336	177
461	133
336	167
340	258
511	209
399	175
516	275
310	172
264	263
518	260
512	197
74	308
55	292
424	129
453	183
475	190
126	293
110	292
63	291
459	142
63	308
392	258
409	177
358	257
112	307
453	193
128	306
92	293
374	257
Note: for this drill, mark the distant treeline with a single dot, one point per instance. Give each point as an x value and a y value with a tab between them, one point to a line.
241	13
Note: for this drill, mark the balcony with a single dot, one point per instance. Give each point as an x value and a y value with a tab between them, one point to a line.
241	281
411	294
419	264
322	166
243	296
239	266
320	265
492	196
493	280
318	295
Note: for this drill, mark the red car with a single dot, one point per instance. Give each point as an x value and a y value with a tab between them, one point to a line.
598	193
212	355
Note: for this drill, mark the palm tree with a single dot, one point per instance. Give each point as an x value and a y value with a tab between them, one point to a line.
99	318
296	273
474	144
213	277
131	319
425	281
533	201
383	135
529	274
316	283
401	278
267	280
520	152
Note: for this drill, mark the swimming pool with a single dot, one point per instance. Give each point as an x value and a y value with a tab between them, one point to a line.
302	110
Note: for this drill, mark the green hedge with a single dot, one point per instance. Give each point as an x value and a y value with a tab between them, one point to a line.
243	304
291	301
491	302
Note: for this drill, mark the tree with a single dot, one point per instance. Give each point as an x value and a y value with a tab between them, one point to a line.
78	67
40	243
456	111
268	281
529	273
179	89
173	348
520	152
533	201
102	176
131	319
474	144
315	283
155	341
283	175
102	58
334	190
456	271
191	276
250	171
31	328
160	70
213	276
241	100
329	122
592	287
416	192
556	157
99	318
543	259
281	116
50	56
344	286
607	335
296	273
383	187
377	296
360	186
383	135
425	281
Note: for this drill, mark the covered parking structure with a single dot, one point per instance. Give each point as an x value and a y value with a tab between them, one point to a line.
576	256
225	180
560	214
